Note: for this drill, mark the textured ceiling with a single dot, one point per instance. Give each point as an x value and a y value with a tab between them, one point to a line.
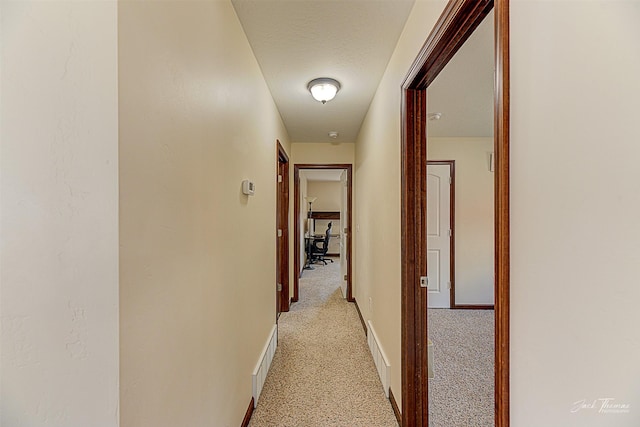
296	41
351	41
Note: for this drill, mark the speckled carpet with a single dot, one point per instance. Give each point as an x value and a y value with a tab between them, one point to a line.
462	393
322	373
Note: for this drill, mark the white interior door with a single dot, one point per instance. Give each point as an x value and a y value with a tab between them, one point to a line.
439	235
343	234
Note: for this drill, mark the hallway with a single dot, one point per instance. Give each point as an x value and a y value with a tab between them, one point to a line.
322	373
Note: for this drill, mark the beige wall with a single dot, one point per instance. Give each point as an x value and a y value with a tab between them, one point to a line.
377	194
197	256
575	257
59	214
329	194
311	152
474	248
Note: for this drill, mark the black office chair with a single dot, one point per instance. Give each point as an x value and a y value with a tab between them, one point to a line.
320	247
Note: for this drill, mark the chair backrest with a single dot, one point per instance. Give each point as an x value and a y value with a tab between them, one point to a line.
327	235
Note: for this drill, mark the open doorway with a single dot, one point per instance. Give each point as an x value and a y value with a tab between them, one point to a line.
455	26
460	132
460	235
333	205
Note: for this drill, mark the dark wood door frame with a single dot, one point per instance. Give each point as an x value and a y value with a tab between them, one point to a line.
282	220
458	21
296	223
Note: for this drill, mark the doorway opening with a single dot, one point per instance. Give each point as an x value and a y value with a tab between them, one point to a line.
458	21
305	225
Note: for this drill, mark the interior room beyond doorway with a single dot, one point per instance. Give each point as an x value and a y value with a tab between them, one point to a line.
322	212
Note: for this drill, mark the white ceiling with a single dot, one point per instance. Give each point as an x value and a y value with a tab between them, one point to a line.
463	91
296	41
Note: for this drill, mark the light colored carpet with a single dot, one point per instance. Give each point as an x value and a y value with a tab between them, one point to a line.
322	372
462	392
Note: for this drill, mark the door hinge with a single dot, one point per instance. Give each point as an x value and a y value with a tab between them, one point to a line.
449	285
345	230
345	277
450	180
279	232
279	287
424	281
450	232
279	178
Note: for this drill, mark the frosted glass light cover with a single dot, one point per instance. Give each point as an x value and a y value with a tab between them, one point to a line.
323	89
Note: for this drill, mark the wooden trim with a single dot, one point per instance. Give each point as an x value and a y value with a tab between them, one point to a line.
296	223
282	213
248	414
364	325
502	257
394	405
325	215
296	232
413	261
458	21
452	223
473	307
321	166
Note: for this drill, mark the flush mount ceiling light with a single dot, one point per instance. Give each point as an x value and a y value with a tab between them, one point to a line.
323	89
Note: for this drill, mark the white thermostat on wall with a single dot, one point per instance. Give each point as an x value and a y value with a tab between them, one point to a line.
248	187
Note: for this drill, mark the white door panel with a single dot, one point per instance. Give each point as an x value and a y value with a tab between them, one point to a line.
433	261
434	183
438	235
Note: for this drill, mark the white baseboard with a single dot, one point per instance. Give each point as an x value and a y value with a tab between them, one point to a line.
264	363
379	358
